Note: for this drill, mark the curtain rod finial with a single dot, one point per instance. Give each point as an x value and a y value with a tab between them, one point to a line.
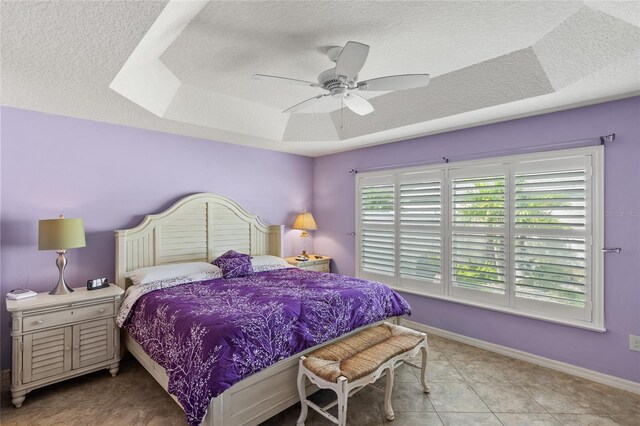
607	138
354	171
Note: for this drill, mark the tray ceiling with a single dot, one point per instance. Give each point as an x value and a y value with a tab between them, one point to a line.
185	67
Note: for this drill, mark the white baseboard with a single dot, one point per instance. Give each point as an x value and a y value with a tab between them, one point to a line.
585	373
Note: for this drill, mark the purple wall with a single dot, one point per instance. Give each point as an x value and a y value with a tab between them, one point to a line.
96	171
605	352
52	165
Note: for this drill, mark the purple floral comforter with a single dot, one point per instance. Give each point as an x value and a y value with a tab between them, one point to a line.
211	334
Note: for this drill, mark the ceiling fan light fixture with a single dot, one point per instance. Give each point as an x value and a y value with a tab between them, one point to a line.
339	92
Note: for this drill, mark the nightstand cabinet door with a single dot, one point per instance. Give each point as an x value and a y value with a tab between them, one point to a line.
46	354
93	342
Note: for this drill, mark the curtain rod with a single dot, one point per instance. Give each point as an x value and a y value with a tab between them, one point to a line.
502	152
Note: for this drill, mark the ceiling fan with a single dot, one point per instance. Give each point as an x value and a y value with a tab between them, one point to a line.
342	81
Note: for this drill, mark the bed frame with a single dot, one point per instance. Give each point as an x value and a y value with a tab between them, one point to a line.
201	227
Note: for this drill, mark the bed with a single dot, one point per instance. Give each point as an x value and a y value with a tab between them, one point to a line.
201	227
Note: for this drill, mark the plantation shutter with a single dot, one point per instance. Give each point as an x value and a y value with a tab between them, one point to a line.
479	258
552	236
421	229
377	229
520	234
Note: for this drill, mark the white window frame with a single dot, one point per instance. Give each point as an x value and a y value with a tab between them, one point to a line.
541	311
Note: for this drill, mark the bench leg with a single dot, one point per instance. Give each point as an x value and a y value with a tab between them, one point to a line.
388	410
343	398
423	371
303	396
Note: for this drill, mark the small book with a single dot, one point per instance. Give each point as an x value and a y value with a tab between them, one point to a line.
20	293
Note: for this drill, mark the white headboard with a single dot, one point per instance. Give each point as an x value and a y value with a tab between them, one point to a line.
199	227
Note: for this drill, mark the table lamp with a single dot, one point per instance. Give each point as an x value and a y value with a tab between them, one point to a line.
59	235
305	222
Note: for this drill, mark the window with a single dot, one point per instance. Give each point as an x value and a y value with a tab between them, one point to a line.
519	234
420	230
479	233
377	227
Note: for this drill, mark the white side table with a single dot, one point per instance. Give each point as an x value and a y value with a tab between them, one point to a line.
57	337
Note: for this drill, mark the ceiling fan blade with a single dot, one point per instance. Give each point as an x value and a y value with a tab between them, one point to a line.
284	80
395	82
304	104
358	104
351	59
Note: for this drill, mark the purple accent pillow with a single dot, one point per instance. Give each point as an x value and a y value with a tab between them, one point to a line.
234	267
232	253
228	255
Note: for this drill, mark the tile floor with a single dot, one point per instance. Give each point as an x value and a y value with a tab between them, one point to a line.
469	386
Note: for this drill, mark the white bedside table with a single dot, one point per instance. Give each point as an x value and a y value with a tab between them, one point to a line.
56	337
313	264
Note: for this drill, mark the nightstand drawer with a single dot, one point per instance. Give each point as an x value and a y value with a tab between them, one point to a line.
67	315
324	267
314	263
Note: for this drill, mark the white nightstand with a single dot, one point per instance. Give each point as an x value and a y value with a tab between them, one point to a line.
56	337
313	264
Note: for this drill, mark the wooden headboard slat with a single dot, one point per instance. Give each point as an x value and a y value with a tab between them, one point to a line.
199	227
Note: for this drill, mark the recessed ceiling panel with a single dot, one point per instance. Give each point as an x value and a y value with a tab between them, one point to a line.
501	80
228	42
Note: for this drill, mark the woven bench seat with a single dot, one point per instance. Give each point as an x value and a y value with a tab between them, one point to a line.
363	353
350	364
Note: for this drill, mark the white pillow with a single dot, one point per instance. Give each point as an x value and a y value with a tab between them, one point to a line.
268	263
169	271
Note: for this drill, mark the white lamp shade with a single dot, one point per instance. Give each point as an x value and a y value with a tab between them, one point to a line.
305	222
60	234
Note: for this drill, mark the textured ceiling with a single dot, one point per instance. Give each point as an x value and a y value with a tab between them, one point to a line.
185	67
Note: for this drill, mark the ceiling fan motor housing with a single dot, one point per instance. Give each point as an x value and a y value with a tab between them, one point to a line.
328	79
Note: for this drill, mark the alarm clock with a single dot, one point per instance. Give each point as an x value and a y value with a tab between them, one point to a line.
97	283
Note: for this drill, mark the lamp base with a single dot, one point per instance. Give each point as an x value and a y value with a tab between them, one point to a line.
61	287
303	254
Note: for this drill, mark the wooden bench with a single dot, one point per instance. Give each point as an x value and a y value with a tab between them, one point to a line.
348	365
